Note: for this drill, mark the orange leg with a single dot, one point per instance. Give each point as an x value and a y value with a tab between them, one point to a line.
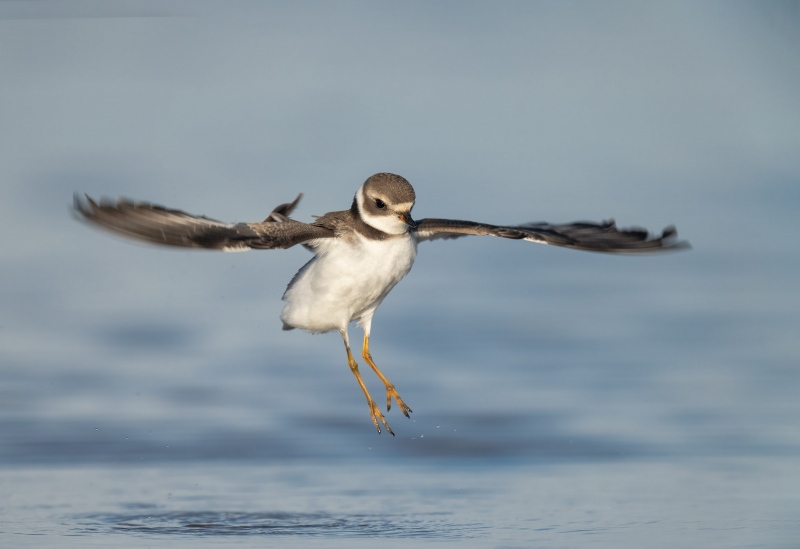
390	390
373	408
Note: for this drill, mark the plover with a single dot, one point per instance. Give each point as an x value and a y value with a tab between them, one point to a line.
360	254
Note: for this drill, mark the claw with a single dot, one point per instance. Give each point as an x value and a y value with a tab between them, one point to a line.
391	392
376	415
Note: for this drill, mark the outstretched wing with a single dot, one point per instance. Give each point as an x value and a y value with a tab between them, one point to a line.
596	237
159	225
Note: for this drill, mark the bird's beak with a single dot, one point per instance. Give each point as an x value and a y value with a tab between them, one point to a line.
406	218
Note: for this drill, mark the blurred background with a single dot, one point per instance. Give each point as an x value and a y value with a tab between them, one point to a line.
115	354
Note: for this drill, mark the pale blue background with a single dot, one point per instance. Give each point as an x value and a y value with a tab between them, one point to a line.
560	398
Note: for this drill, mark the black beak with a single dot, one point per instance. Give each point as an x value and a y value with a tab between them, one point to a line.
406	218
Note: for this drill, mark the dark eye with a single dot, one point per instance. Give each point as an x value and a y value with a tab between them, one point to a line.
379	203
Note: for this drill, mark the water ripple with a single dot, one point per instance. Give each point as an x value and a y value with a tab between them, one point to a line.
222	523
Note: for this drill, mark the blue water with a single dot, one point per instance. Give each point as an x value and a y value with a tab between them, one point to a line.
545	415
148	397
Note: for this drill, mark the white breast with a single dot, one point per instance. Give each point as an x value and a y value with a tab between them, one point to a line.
346	281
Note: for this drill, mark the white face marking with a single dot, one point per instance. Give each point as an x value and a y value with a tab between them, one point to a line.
389	222
404	207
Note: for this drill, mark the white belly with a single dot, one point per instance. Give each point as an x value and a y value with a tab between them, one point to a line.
346	281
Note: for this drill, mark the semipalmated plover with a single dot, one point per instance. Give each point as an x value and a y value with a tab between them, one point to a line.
360	254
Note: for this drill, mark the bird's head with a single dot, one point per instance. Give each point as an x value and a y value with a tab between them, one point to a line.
385	201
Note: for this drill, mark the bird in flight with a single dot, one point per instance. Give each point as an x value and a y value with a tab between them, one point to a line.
360	254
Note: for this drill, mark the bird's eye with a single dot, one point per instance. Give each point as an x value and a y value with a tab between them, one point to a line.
379	203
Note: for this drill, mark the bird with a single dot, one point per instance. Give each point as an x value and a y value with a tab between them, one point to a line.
359	254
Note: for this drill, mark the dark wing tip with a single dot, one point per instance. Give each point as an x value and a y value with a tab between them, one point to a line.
605	237
82	206
157	224
581	235
283	211
85	208
671	233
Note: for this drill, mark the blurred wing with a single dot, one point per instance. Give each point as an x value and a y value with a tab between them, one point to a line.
159	225
596	237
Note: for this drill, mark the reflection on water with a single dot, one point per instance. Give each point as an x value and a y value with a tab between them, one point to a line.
215	523
725	502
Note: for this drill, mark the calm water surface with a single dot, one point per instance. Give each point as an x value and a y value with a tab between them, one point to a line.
655	423
725	503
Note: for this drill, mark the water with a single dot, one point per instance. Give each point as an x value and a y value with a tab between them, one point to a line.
729	502
607	418
148	397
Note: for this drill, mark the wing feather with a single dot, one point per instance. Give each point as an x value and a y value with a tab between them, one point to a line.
596	237
160	225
